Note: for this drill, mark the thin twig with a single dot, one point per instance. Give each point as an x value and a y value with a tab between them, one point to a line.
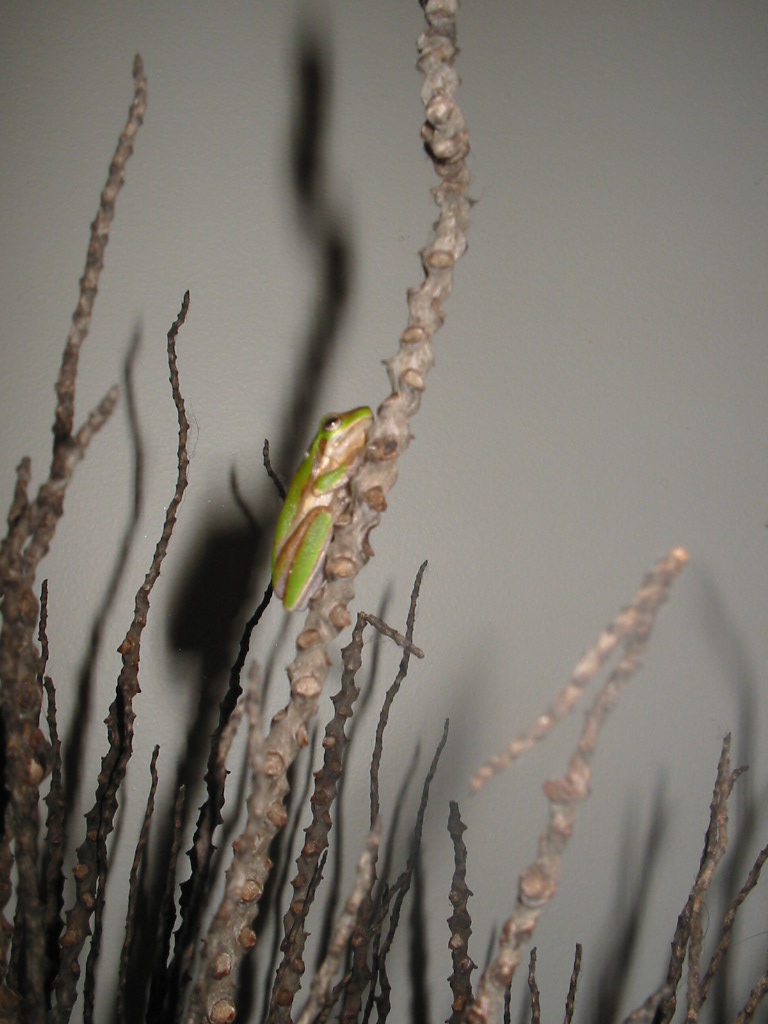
728	921
133	891
460	923
327	780
231	933
756	996
533	988
94	262
92	867
321	983
272	473
378	745
401	886
191	900
393	634
660	1006
570	999
166	918
31	529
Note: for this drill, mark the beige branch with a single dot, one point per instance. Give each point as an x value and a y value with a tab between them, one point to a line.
321	983
446	138
538	882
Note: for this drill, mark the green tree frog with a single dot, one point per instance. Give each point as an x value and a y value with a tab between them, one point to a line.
316	498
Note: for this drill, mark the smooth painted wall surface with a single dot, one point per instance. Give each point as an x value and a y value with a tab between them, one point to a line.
599	398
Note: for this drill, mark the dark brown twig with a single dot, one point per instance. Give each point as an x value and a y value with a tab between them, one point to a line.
53	848
533	988
399	890
392	692
192	898
756	996
570	999
92	867
460	923
166	919
272	473
94	262
327	780
31	529
660	1006
133	891
367	940
726	931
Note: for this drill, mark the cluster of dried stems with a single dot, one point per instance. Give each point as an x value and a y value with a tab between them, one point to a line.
41	947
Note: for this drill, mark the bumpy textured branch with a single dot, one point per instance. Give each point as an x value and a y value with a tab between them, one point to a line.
91	869
446	138
31	529
94	262
364	880
133	893
399	890
688	934
326	788
570	999
566	700
538	883
728	921
447	141
231	933
460	923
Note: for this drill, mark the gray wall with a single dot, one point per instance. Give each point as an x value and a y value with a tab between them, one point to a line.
599	395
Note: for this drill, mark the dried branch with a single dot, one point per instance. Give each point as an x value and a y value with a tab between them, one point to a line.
447	141
386	630
397	892
367	936
726	931
231	932
756	996
54	842
321	983
94	261
192	898
91	870
660	1006
566	700
687	931
272	473
31	529
570	999
165	919
53	848
460	923
80	711
538	883
133	890
327	779
533	988
378	744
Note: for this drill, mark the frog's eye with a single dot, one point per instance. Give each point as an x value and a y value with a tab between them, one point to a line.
331	423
